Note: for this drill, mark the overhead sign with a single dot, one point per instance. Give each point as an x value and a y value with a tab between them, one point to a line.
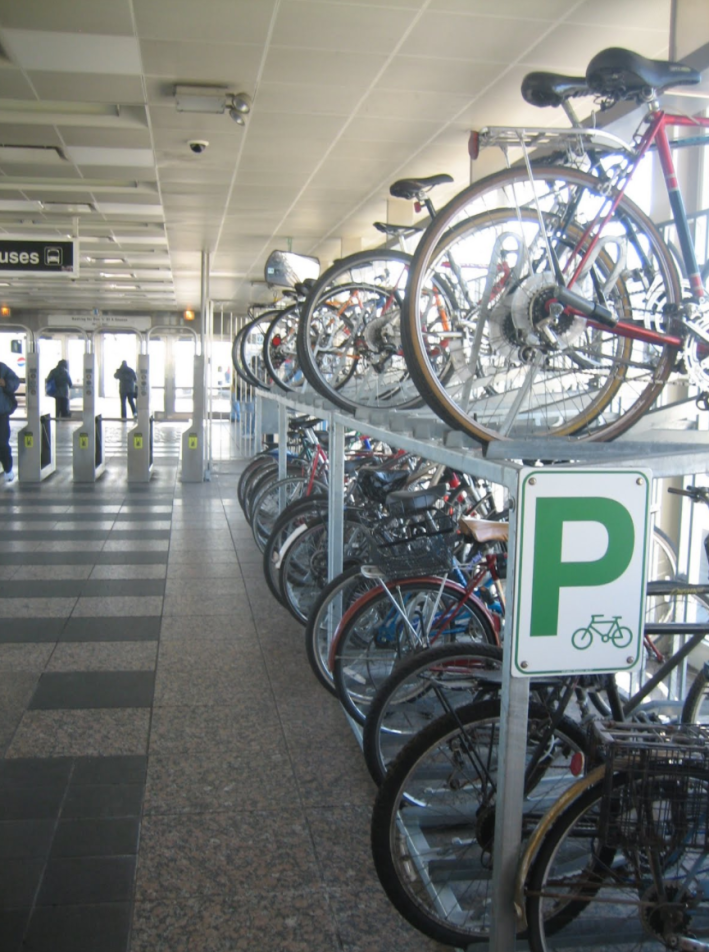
19	256
580	576
91	322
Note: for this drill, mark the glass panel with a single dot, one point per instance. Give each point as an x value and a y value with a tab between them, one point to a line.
184	375
156	352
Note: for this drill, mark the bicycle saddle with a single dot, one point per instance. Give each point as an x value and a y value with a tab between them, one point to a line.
484	530
416	500
411	188
622	74
552	89
395	230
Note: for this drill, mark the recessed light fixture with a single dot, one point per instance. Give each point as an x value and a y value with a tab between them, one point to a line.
111	274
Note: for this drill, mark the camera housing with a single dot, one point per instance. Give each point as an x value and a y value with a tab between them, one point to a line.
198	146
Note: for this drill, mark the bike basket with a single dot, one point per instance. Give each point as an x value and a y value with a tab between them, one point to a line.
656	787
423	546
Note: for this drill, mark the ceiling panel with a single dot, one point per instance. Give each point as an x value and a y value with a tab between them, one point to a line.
348	95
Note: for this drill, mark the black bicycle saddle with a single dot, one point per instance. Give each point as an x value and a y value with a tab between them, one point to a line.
411	188
552	89
622	74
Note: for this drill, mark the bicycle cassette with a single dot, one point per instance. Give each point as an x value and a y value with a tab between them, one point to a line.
695	351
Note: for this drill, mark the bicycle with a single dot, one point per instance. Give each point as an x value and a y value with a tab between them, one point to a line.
569	316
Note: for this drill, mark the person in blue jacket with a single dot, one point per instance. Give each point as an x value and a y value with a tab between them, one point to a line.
9	382
62	385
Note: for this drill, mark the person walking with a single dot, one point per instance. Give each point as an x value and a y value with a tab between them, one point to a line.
60	384
9	382
127	388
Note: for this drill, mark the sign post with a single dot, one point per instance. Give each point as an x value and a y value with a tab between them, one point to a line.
36	440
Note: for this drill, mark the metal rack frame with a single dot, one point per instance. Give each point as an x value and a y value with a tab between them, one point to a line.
665	452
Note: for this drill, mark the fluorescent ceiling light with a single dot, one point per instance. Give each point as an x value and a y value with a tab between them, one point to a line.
75	208
59	52
98	155
110	274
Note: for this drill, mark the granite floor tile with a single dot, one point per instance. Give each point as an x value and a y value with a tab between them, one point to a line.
36	607
192	731
80	928
136	545
209	686
238	656
219	854
334	776
208	569
231	585
209	626
131	557
120	605
70	547
102	656
293	921
341	836
220	782
17	687
76	690
187	556
96	733
42	572
25	657
234	605
370	923
129	571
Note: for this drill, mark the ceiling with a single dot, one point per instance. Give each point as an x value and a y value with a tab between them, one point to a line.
348	95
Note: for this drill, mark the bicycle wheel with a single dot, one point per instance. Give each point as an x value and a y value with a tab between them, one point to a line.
251	349
290	520
434	816
386	626
349	338
695	709
325	615
303	571
280	350
421	689
263	459
523	368
582	890
272	499
265	478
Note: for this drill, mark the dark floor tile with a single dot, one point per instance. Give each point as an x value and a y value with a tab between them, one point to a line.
93	879
47	588
30	630
106	836
138	586
13	923
19	880
86	928
19	802
43	535
22	839
129	558
48	558
125	535
103	770
106	800
75	690
137	628
32	771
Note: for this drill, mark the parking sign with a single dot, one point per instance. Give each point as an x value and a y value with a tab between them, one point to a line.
580	570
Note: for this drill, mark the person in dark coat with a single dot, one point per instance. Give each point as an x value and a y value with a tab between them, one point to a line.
9	382
127	388
62	385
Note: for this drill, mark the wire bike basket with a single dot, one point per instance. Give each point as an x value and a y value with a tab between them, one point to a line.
422	545
656	787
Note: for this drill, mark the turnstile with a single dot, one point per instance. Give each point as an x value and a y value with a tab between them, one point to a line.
140	438
36	440
89	459
193	437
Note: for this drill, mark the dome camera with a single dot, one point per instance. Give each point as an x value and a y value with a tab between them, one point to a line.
198	146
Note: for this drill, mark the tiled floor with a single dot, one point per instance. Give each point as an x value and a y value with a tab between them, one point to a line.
172	776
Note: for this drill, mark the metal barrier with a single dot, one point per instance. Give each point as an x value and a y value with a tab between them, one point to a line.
88	459
36	440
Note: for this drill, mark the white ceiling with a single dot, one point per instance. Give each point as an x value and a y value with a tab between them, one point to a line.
348	95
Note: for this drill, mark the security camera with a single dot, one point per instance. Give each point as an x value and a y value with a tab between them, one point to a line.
198	146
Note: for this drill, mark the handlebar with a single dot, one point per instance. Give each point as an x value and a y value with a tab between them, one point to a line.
695	493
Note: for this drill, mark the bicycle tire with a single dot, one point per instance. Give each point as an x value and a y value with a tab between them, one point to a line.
266	506
265	478
255	463
298	513
409	698
350	353
599	887
695	709
325	616
281	358
253	363
443	785
237	360
373	637
540	388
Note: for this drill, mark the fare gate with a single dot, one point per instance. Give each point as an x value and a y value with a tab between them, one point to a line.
89	460
193	437
36	440
140	438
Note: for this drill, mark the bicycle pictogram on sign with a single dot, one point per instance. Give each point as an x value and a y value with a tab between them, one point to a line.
607	629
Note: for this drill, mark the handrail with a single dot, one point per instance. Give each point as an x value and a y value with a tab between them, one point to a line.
181	330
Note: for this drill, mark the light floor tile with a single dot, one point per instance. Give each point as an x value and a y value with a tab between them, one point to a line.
103	656
36	607
118	605
24	657
28	572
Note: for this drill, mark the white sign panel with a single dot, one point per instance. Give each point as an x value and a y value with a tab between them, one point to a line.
580	574
91	322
